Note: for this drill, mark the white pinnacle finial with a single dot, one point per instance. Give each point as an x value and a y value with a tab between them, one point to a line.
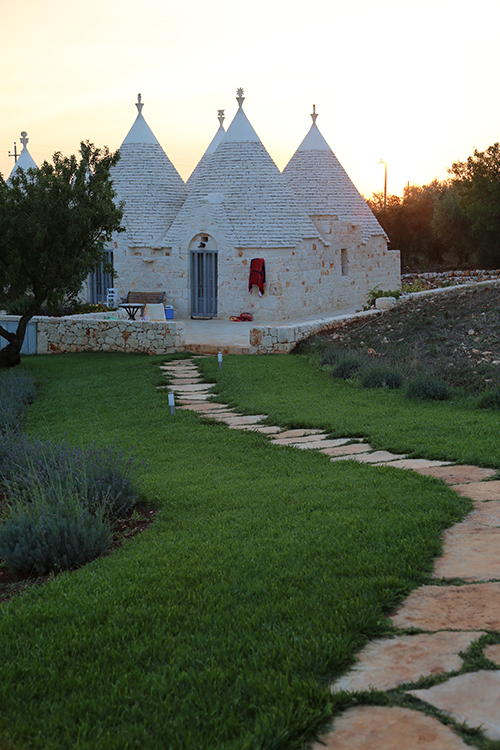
220	116
240	98
24	140
314	115
138	103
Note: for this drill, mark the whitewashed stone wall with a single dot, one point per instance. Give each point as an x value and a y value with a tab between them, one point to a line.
305	280
57	335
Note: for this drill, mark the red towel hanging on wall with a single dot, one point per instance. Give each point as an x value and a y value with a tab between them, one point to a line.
257	275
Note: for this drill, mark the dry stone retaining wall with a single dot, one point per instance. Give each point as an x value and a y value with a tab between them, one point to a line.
57	335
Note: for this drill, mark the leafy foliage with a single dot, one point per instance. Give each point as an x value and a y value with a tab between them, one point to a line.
382	377
477	182
52	537
490	400
428	389
347	367
17	389
104	478
54	223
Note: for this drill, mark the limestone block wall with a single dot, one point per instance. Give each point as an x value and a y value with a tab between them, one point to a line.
311	278
57	335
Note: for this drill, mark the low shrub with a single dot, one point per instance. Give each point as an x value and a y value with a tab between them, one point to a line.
17	389
104	477
348	366
378	377
428	389
490	400
52	537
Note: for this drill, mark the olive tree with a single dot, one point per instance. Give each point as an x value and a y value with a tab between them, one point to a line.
54	224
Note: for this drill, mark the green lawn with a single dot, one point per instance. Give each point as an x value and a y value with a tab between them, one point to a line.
267	569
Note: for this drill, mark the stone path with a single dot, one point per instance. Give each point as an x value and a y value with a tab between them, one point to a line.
452	616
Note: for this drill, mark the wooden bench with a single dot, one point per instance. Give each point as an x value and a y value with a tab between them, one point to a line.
145	298
138	300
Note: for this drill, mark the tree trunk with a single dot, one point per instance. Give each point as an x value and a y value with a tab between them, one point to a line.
10	355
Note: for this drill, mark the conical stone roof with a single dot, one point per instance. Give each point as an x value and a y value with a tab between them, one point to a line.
242	186
323	186
207	156
148	182
24	161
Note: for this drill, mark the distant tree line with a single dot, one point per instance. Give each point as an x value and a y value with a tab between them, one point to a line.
450	224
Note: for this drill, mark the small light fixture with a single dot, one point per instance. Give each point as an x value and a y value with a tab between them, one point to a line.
171	403
219	358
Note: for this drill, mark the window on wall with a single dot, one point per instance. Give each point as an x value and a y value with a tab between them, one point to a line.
100	281
344	263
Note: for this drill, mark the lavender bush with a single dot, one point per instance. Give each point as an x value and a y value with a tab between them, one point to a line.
104	478
17	389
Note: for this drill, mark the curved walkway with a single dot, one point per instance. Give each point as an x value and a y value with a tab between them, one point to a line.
450	616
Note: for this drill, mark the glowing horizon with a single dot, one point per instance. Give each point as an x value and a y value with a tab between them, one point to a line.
391	81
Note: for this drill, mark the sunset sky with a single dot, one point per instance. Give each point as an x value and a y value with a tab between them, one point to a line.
413	83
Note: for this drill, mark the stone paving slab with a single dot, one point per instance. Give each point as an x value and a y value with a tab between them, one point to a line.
471	552
346	450
312	437
300	433
194	397
187	381
480	491
205	408
195	388
458	474
383	728
473	698
472	607
239	419
265	430
485	513
493	653
377	457
417	463
321	445
386	663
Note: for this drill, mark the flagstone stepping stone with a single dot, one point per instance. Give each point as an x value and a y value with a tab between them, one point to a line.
384	664
458	474
300	433
472	607
471	552
239	419
486	514
481	491
493	653
265	430
195	388
312	437
473	698
321	444
346	450
194	397
383	728
187	381
205	408
418	463
377	457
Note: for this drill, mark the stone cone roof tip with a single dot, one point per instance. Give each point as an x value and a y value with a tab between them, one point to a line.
148	182
208	153
24	161
323	186
241	189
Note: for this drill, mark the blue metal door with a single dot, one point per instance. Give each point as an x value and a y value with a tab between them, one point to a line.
203	284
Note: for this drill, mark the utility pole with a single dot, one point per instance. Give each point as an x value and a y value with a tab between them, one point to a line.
385	182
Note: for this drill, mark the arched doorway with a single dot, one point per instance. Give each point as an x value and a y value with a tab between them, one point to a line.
203	250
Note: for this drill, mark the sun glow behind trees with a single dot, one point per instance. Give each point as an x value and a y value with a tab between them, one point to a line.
389	79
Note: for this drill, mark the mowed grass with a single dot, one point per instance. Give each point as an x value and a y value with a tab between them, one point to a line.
267	569
295	393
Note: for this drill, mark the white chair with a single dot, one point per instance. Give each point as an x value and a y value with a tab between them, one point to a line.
112	297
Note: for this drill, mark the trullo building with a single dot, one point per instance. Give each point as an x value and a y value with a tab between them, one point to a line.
308	228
